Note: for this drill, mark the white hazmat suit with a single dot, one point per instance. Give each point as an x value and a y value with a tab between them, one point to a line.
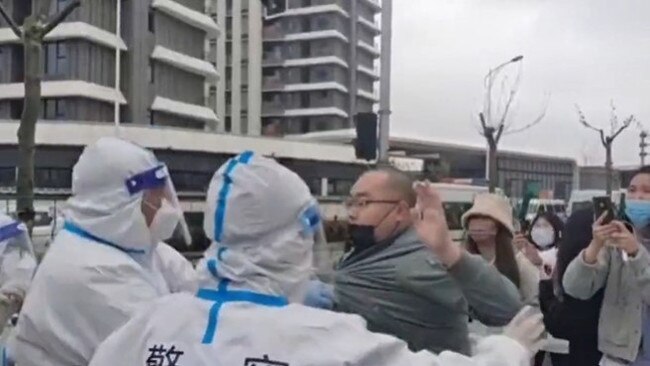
108	261
262	220
17	266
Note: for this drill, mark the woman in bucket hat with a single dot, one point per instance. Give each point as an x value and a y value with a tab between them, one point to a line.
489	226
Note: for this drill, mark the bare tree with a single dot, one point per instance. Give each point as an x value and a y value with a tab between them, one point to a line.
616	128
495	118
36	26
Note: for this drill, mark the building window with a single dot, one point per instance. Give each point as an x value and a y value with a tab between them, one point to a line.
151	21
59	5
323	94
56	58
150	117
53	109
228	124
152	71
213	90
322	75
322	23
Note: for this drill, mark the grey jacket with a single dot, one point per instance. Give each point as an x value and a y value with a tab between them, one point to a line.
627	288
403	290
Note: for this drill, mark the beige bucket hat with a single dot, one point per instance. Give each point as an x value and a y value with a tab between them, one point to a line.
493	206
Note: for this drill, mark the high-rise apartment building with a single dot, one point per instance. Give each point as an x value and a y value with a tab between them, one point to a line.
317	62
301	66
166	70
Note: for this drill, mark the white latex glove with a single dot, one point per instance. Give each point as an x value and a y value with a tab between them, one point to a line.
528	329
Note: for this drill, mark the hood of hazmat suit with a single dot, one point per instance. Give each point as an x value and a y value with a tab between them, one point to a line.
108	260
262	221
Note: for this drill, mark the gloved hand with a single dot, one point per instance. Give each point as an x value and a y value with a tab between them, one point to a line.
527	328
319	295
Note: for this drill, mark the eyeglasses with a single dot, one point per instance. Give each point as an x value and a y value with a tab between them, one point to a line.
356	203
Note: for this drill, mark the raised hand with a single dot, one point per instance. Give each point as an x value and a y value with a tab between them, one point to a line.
431	225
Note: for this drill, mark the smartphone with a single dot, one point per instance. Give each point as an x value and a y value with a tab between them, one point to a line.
603	205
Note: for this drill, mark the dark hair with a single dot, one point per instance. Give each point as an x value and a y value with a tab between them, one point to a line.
400	182
504	260
556	224
577	236
642	170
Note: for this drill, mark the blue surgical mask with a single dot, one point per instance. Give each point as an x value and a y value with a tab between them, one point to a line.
638	212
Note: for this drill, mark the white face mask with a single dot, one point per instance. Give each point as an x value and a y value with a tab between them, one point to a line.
164	223
543	237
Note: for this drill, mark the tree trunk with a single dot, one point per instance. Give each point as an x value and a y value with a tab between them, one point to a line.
32	43
493	171
608	168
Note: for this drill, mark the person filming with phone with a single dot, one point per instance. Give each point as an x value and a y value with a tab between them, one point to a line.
618	260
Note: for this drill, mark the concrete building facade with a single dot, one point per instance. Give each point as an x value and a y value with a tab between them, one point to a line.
164	64
309	67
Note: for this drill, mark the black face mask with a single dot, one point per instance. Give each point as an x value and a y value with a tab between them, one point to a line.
361	236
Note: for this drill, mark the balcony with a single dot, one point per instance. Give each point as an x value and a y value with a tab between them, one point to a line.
192	111
318	9
65	88
371	49
187	15
372	72
272	83
304	36
274	111
184	62
372	26
374	4
72	30
277	61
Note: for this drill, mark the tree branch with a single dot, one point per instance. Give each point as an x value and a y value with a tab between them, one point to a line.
481	117
58	18
613	120
499	133
628	121
583	121
535	122
14	27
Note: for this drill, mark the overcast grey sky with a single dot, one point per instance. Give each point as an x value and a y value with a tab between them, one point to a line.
581	51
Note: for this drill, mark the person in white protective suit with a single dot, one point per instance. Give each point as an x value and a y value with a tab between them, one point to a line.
262	221
17	266
108	261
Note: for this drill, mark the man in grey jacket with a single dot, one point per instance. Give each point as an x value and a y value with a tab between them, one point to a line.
405	289
619	261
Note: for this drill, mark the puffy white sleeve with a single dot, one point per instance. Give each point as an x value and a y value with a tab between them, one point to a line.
16	269
346	339
178	272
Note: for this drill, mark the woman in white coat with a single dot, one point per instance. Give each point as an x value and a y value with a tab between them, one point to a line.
108	261
263	223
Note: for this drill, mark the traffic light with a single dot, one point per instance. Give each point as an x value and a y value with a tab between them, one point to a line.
365	144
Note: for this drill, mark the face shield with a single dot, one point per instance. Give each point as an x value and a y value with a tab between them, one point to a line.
160	204
312	224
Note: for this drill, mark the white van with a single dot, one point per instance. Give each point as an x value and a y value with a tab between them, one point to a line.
582	199
538	205
458	199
